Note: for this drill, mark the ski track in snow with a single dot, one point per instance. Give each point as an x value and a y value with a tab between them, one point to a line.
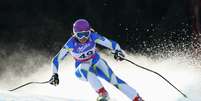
184	75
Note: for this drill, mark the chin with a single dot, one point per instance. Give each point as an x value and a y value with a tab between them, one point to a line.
83	40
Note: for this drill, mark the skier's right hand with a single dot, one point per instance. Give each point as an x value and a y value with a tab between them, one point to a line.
118	55
54	79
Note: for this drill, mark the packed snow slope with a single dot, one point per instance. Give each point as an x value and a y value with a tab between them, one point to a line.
180	70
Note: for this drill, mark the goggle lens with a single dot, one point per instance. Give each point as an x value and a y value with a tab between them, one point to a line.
81	35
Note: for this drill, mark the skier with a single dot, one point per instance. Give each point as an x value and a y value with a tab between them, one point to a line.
89	64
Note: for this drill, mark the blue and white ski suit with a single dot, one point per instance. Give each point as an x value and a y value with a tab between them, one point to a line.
89	64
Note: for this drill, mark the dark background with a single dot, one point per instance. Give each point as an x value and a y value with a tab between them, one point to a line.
33	31
140	26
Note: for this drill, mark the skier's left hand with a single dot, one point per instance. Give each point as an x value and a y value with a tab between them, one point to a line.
118	55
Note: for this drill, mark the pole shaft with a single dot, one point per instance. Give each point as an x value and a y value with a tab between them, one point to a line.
158	75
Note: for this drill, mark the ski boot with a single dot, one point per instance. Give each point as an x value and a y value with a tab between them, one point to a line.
138	98
103	95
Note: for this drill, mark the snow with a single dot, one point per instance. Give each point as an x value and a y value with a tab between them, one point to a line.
184	75
8	96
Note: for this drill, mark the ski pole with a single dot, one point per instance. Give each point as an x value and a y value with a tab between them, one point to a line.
157	74
28	83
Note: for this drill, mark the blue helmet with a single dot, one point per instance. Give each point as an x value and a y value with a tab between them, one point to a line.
81	25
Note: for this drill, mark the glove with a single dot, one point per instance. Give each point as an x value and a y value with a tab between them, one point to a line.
54	79
118	55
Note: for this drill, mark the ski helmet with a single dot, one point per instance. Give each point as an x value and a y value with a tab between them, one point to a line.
81	25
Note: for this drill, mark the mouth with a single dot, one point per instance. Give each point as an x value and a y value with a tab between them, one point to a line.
83	40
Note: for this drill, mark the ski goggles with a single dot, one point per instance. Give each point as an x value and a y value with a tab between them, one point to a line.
84	34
